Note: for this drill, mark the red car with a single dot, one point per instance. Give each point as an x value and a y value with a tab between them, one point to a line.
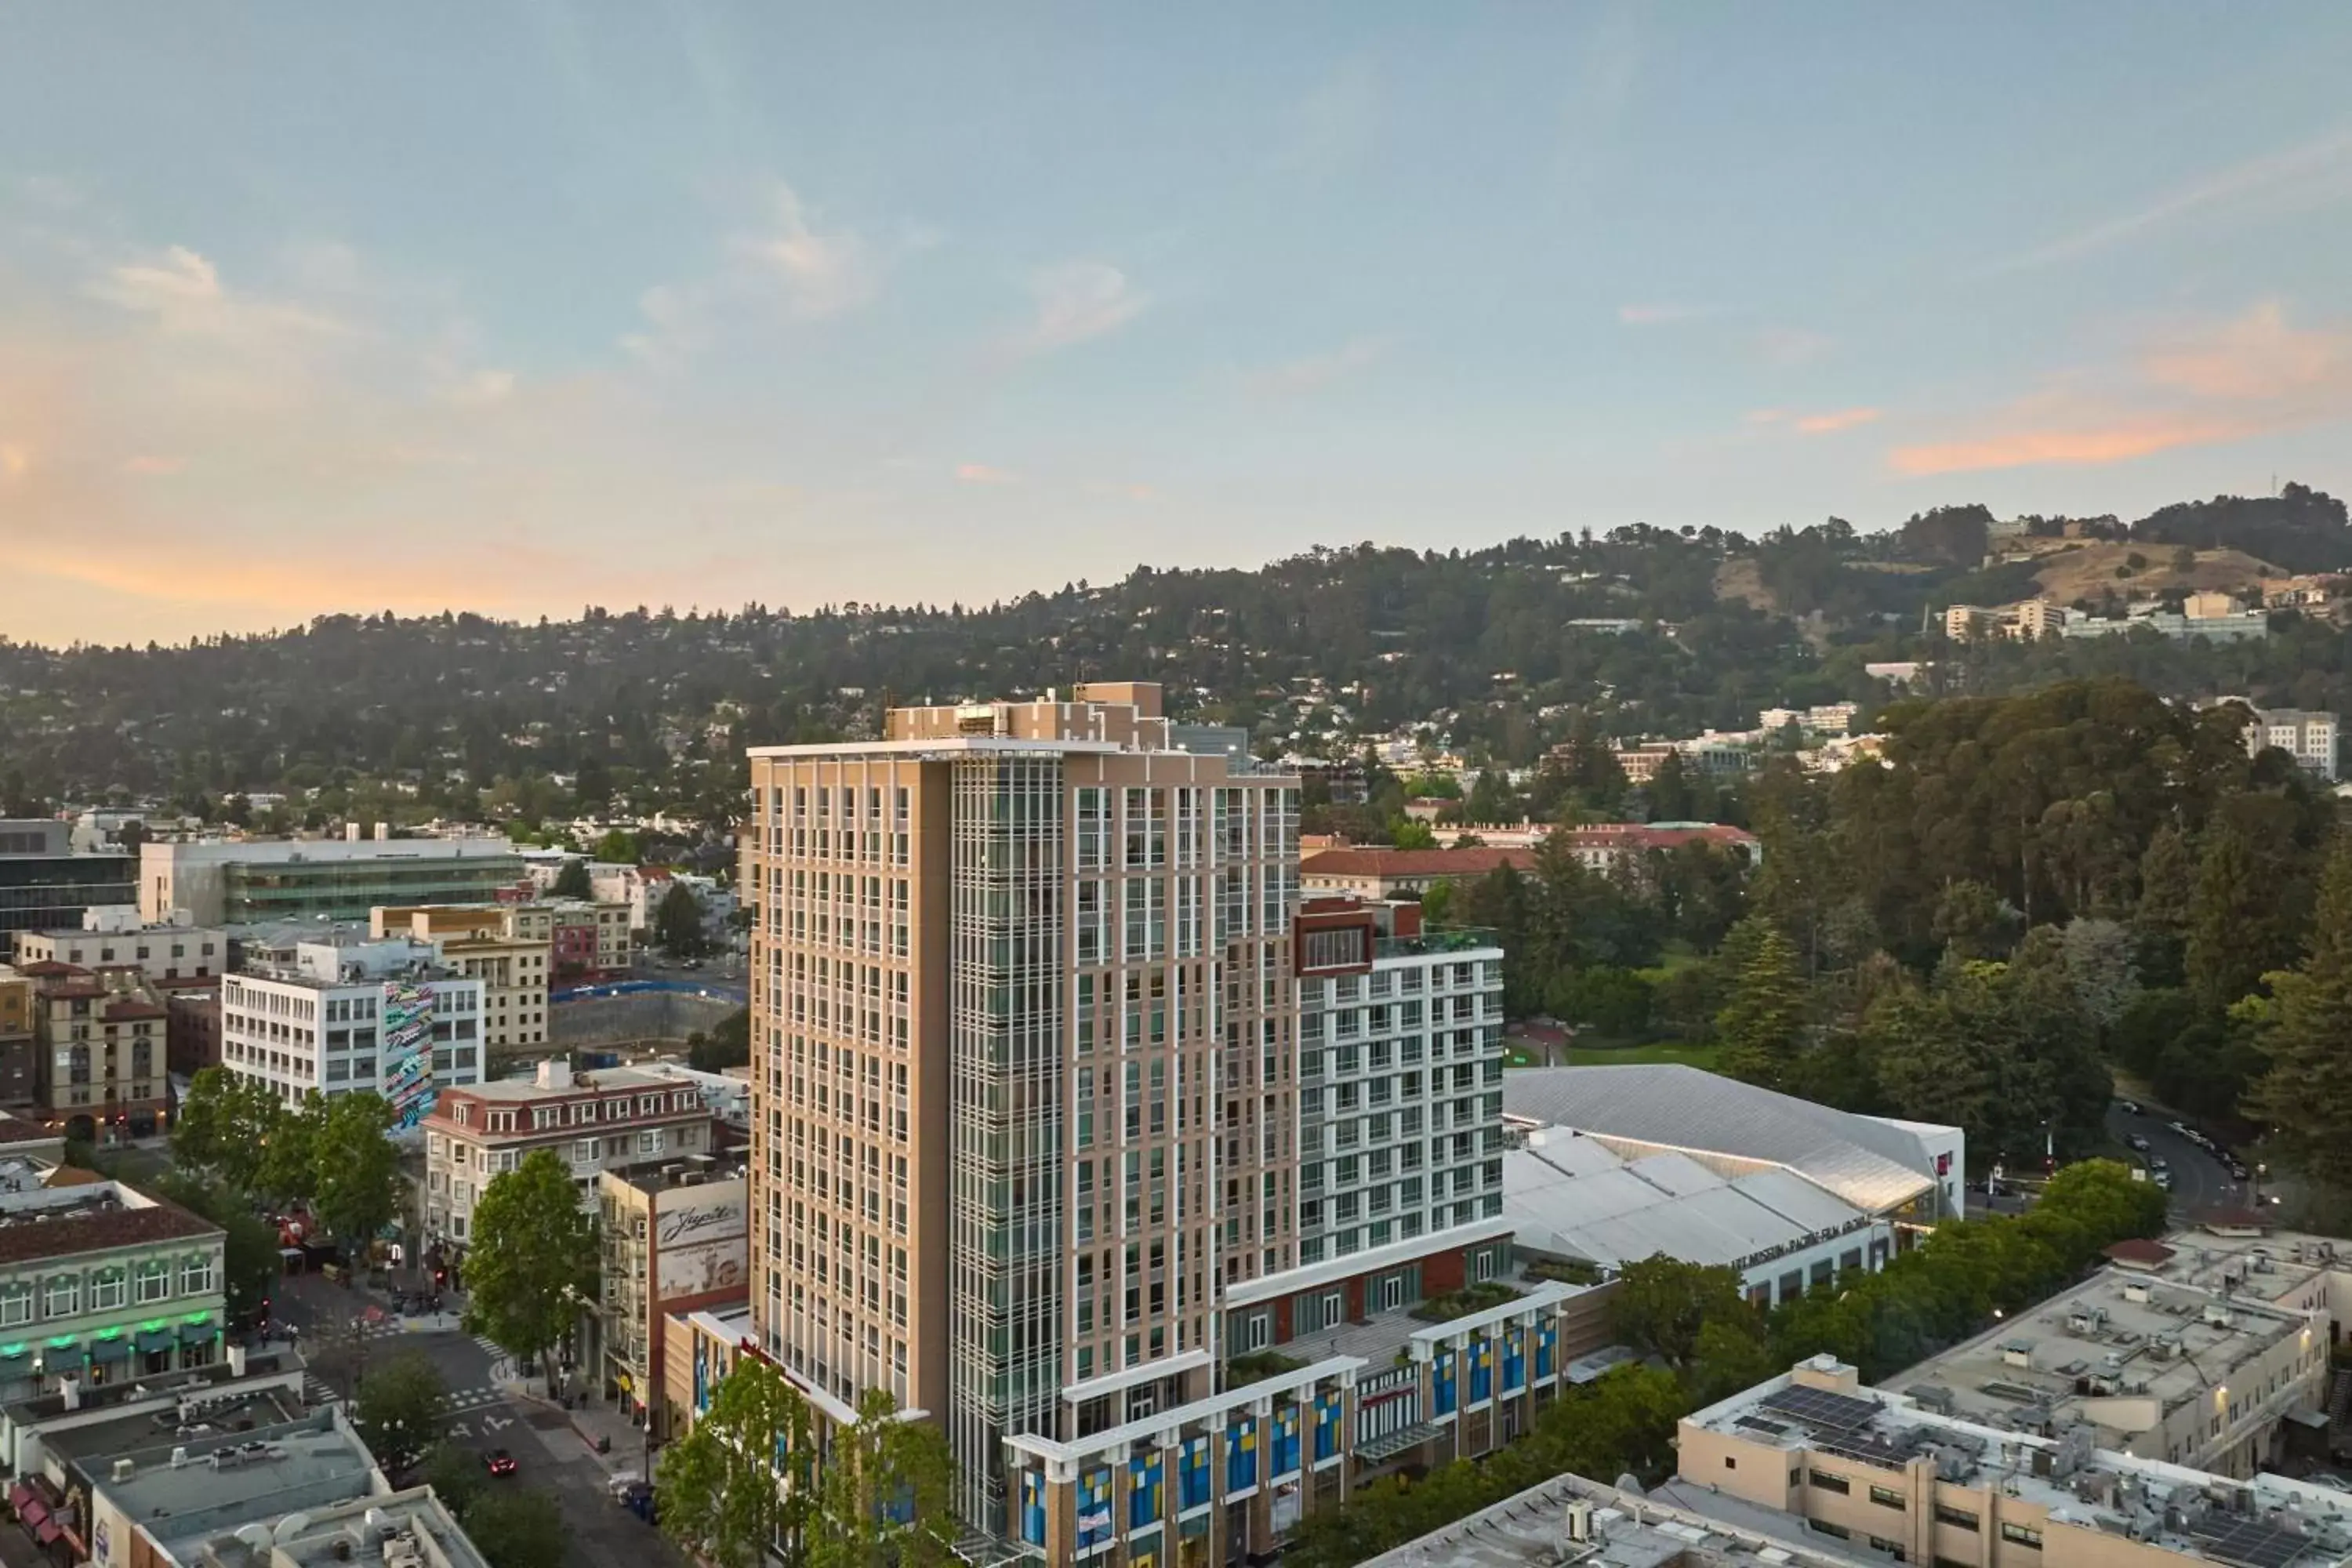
499	1462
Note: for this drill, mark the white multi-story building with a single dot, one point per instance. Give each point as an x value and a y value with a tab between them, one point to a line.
2308	737
114	935
385	1015
1400	1086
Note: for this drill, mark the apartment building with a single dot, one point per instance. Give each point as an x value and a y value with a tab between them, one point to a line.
1401	1075
45	884
349	1014
509	948
2307	736
677	1241
1895	1478
609	1121
99	1056
253	881
99	1283
2027	621
590	939
19	1070
1025	1038
115	936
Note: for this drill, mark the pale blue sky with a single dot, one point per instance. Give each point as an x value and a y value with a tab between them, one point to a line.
523	304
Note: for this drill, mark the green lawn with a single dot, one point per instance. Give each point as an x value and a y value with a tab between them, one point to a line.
1603	1055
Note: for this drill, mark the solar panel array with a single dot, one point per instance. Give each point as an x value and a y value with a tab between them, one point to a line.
2248	1543
1821	1409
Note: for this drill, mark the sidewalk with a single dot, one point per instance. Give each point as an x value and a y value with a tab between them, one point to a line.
588	1421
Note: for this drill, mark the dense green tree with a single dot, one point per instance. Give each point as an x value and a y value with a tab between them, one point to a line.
1972	920
224	1125
571	881
250	1259
1669	792
455	1474
1407	834
2168	882
1661	1303
617	848
289	1165
532	1264
2306	1096
1762	1025
401	1406
886	1496
516	1526
356	1184
2230	916
726	1046
1491	799
742	1479
677	923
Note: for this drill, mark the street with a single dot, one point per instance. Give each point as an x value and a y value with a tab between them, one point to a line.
484	1414
2200	1180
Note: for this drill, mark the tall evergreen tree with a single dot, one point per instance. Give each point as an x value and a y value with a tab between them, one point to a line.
2306	1095
2230	914
1763	1025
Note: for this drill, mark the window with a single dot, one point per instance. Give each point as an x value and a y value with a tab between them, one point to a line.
107	1290
15	1305
198	1277
1729	1463
1255	1330
1822	1480
1888	1497
1959	1518
1826	1528
2023	1534
154	1281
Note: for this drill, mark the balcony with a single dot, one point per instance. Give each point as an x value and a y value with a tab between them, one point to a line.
1436	939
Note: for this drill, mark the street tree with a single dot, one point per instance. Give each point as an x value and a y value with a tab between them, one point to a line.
224	1126
534	1260
288	1168
1661	1303
249	1246
741	1481
886	1496
400	1411
516	1527
677	922
571	881
455	1474
356	1183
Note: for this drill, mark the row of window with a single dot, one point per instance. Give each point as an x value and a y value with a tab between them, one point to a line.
61	1296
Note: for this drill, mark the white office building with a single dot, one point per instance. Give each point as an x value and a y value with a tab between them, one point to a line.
385	1016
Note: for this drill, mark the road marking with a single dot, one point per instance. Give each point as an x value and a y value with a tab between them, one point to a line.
459	1430
497	1423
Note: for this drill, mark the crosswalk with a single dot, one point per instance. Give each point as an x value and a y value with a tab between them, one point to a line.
315	1392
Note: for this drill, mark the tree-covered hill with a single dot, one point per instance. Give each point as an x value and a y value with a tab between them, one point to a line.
1310	651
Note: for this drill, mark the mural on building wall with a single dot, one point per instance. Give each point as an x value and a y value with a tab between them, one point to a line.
407	1038
704	1244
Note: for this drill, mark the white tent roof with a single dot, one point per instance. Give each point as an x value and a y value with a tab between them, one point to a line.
1732	1128
1571	1197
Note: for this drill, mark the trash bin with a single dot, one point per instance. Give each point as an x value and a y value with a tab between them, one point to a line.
604	1444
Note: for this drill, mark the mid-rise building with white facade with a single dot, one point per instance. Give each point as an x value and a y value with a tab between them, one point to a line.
2307	736
341	1016
114	936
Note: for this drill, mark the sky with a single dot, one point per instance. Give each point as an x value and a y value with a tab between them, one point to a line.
519	306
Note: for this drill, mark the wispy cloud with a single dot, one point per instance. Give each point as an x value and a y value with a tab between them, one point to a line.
984	474
2303	175
1788	346
1661	314
1312	373
1826	424
2252	375
1332	124
824	273
1078	301
1830	423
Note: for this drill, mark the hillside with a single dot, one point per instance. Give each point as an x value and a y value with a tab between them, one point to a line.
2090	569
449	714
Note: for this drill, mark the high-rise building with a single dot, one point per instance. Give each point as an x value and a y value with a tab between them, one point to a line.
44	884
1030	1148
1026	1027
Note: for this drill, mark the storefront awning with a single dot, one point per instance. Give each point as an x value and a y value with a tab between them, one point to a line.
115	1349
1388	1445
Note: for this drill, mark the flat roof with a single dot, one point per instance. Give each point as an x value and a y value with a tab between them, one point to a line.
952	745
210	1420
2269	1523
359	1529
598	1079
280	852
2125	1332
1631	1530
